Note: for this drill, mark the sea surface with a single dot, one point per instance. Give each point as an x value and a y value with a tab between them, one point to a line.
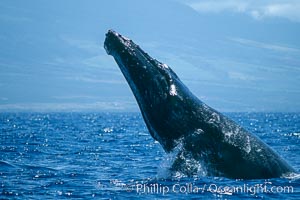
113	156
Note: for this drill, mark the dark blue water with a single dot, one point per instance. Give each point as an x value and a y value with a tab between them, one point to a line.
112	155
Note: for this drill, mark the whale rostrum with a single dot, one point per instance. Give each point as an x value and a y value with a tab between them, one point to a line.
177	118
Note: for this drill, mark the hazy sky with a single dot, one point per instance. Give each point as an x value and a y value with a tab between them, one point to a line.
235	55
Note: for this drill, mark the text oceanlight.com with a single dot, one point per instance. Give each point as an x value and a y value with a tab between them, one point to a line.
190	188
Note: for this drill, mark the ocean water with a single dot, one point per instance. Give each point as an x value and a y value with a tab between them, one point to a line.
112	156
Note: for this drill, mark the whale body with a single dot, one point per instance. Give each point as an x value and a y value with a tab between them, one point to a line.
176	117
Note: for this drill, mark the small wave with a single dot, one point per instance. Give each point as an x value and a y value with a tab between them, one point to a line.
4	164
297	135
293	176
180	164
39	168
164	170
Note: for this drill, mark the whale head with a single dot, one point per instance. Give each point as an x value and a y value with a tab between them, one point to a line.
155	86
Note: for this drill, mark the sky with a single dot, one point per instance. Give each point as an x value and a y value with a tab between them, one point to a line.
235	55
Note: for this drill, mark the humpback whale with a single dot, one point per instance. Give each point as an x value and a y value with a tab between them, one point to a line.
177	118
